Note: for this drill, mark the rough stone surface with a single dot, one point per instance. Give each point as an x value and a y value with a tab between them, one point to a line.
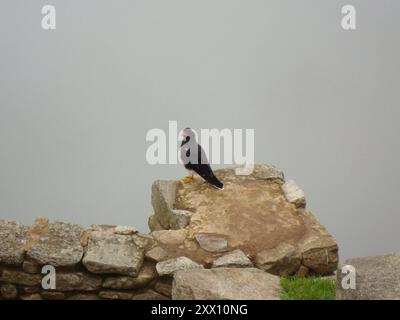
33	296
125	230
157	254
294	194
226	284
77	281
162	199
145	276
235	258
13	238
377	278
164	286
115	295
112	253
211	242
53	295
282	260
30	267
8	291
83	296
58	246
149	295
252	214
170	266
19	277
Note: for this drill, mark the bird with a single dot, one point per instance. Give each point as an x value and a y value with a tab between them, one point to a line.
195	160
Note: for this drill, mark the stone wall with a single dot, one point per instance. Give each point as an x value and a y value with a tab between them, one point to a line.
102	262
204	244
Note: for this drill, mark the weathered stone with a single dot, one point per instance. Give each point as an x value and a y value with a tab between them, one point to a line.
164	286
170	237
112	253
13	238
319	251
211	242
376	278
77	281
125	230
58	246
233	259
225	284
154	224
53	295
84	296
20	277
149	295
251	213
30	267
8	291
162	199
282	260
157	254
294	194
145	276
28	289
33	296
115	295
168	267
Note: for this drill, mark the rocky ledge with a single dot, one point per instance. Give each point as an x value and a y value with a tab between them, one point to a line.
204	244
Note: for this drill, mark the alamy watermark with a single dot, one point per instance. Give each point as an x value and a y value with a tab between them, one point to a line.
164	147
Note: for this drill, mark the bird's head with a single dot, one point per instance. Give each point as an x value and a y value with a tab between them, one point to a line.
187	134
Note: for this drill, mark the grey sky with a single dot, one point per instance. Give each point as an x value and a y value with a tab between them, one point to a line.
76	103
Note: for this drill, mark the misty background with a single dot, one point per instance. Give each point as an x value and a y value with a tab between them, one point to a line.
76	104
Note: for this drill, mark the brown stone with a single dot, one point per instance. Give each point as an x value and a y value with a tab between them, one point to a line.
52	295
149	295
8	291
157	254
83	296
13	238
115	295
281	260
164	286
20	277
77	281
30	267
33	296
145	276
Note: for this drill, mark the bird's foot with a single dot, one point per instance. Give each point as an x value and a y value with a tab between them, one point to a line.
187	179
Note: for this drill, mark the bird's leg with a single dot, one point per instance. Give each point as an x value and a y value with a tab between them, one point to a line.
188	179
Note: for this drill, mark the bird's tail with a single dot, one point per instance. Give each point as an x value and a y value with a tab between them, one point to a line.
216	183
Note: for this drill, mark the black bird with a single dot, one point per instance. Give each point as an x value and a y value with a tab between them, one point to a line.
195	159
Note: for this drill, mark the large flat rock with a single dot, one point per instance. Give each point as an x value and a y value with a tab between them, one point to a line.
377	278
57	244
252	214
108	252
13	238
225	284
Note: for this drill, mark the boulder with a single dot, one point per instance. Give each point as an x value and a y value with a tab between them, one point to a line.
376	278
225	284
13	238
108	252
58	244
254	214
149	295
